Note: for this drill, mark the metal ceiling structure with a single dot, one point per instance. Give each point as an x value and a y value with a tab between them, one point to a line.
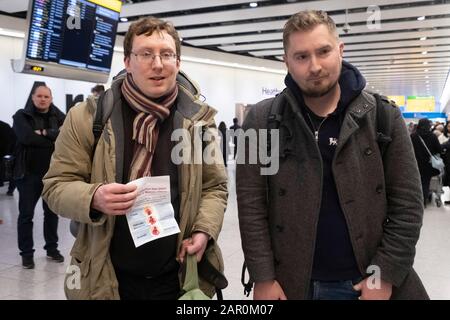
404	52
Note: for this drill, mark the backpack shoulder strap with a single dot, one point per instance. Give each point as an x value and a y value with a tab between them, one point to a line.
105	104
383	122
276	112
274	118
247	285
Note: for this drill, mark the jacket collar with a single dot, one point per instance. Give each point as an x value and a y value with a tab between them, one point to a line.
192	108
363	104
356	112
188	101
189	108
30	110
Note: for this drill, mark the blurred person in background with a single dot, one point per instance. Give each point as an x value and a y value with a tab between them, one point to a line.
423	135
7	145
224	141
98	90
36	127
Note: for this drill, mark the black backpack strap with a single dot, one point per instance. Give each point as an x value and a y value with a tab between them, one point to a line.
105	104
274	118
213	276
249	285
219	294
97	126
276	112
383	122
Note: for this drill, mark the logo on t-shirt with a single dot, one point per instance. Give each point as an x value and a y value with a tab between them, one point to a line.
333	141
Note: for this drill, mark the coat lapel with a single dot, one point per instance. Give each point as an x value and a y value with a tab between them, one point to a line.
356	111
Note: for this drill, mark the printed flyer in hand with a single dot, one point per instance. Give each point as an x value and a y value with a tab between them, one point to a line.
152	215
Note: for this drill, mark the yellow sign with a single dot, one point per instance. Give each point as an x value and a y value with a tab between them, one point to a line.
37	68
399	100
420	104
110	4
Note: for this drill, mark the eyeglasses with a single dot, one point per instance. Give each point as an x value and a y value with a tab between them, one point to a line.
166	57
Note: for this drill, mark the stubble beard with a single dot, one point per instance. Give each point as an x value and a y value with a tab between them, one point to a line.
317	93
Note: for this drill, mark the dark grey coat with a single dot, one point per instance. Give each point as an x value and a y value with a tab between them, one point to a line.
381	201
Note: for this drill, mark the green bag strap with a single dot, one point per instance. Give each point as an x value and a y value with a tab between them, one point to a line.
191	278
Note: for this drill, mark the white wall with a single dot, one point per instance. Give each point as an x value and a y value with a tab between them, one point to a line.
222	86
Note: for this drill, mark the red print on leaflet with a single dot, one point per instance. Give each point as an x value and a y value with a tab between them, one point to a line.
148	210
152	219
155	230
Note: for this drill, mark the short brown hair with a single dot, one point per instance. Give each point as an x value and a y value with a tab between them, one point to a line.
306	21
147	26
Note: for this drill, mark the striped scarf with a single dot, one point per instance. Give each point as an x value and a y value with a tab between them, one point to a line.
145	124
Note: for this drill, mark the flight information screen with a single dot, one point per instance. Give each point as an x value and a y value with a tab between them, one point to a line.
76	33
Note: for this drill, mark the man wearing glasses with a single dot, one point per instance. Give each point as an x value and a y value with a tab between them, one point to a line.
150	101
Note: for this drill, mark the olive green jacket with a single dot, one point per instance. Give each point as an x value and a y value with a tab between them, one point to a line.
75	175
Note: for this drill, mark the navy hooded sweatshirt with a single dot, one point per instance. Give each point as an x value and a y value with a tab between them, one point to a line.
334	258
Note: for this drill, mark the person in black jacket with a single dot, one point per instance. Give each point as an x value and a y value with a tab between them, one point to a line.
36	127
7	144
446	157
233	129
423	133
5	137
224	141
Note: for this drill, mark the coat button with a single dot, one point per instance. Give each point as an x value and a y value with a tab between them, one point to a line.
368	151
379	189
279	228
386	221
281	192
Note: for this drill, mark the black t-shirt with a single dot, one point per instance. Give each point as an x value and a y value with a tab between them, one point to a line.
156	257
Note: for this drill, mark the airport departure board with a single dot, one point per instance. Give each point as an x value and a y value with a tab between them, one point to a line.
75	33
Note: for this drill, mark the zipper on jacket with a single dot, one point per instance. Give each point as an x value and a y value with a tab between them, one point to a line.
316	131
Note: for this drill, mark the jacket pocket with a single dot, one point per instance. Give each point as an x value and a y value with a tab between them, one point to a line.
104	285
76	286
